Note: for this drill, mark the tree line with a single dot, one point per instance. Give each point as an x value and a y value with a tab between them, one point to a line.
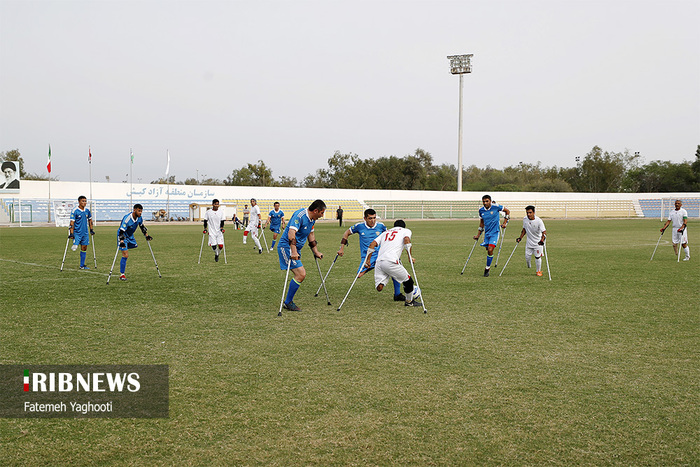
596	172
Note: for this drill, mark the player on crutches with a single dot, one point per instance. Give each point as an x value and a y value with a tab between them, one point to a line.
388	265
536	236
126	240
490	225
214	225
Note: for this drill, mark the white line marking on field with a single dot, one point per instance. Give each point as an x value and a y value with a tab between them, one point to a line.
52	267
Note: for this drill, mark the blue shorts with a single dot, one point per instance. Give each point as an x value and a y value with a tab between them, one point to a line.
490	239
284	255
81	239
130	243
372	263
276	229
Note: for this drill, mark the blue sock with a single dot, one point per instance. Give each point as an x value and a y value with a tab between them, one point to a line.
397	287
489	259
273	244
293	287
83	255
122	265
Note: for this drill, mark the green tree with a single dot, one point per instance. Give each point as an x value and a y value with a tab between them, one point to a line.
604	172
251	175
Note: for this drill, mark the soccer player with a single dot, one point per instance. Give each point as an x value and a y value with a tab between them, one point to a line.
536	236
490	222
368	231
299	228
275	221
253	224
125	236
214	226
391	243
81	229
679	218
339	216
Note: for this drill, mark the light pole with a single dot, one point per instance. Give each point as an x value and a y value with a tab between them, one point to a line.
460	65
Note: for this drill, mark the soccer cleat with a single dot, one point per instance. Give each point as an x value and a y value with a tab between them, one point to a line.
486	272
260	251
413	302
687	258
85	267
122	277
538	273
400	298
290	306
216	258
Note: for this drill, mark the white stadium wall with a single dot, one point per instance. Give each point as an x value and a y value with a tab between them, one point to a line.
185	200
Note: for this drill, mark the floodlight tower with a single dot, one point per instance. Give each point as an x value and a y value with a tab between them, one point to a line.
460	65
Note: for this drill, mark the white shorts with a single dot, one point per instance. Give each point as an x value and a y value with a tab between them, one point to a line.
680	237
252	227
384	270
536	251
216	238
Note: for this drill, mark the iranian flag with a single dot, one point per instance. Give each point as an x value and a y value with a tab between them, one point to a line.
48	163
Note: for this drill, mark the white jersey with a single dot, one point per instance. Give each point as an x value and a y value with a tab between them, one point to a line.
534	229
391	243
214	219
676	218
254	215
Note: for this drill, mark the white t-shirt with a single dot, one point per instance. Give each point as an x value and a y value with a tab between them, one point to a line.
533	229
254	215
391	243
676	217
214	219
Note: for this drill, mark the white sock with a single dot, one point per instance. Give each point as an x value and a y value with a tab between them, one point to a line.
538	263
527	260
687	251
257	242
409	295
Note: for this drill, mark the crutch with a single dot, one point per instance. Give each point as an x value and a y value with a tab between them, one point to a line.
324	279
224	244
64	253
154	257
499	248
680	242
284	289
113	261
353	282
511	255
470	255
657	245
264	239
546	257
200	248
93	250
415	278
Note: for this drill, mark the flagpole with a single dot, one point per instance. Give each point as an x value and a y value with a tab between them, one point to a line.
48	167
167	179
131	178
92	204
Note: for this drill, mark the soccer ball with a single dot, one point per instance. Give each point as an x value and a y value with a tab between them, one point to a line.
74	247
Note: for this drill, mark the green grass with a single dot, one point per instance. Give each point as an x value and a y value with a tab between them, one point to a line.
598	366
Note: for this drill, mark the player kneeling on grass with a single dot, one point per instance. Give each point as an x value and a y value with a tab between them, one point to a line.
299	228
81	229
388	265
214	226
536	236
126	238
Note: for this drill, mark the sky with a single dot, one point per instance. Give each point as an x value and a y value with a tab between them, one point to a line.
220	84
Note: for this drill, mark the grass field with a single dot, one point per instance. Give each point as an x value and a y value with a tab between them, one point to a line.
599	366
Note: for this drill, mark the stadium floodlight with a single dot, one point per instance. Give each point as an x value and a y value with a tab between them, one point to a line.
460	65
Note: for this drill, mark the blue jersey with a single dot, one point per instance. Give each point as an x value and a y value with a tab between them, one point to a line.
80	221
302	223
367	235
276	219
492	218
129	225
